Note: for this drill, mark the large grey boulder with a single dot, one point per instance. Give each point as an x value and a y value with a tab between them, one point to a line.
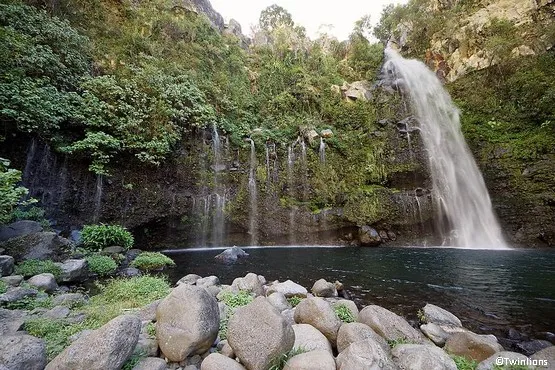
13	280
532	346
189	279
356	332
350	305
309	338
57	313
249	283
22	352
366	354
19	228
547	355
69	299
317	312
471	345
313	360
208	281
106	348
490	362
41	246
74	270
322	288
6	265
215	361
11	321
231	255
435	333
45	282
288	288
388	324
258	334
437	315
187	322
369	237
151	363
358	90
279	301
420	356
16	294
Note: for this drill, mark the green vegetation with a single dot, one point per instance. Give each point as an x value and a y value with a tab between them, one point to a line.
464	364
98	237
30	303
30	268
279	362
232	302
151	329
149	261
294	301
56	333
344	313
133	361
101	265
395	342
11	194
3	287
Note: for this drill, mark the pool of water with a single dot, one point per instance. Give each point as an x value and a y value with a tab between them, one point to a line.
489	290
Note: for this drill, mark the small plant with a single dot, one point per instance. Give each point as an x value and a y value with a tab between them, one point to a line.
242	298
151	329
344	313
3	287
223	325
421	316
34	267
101	265
395	342
30	303
133	361
98	237
464	364
294	301
149	261
279	362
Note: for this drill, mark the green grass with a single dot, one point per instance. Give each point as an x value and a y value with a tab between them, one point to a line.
294	301
151	329
464	364
98	237
232	302
101	265
149	261
395	342
30	303
3	287
34	267
133	361
344	313
279	362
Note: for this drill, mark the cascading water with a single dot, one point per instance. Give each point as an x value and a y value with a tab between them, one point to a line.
97	197
253	196
322	151
458	185
291	190
218	218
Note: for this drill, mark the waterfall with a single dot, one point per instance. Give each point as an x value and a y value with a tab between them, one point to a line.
253	196
458	185
268	175
322	151
291	191
97	198
304	169
218	217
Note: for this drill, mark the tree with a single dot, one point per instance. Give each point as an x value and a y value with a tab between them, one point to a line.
273	17
11	194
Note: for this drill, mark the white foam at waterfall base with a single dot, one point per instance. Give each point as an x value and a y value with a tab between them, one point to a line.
458	186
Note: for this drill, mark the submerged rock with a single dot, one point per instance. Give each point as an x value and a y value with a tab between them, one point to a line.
231	255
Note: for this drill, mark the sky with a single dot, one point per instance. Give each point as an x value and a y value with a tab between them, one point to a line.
312	14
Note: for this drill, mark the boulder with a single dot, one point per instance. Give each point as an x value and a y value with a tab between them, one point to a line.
69	299
322	288
347	303
231	255
227	350
11	321
19	228
532	346
369	237
130	272
309	338
148	312
13	280
326	134
358	90
22	352
146	346
6	265
215	361
435	333
151	363
313	360
258	334
388	324
437	315
116	249
279	301
249	283
365	354
289	316
317	312
208	281
546	355
356	332
74	270
288	289
46	282
490	363
190	279
41	246
420	356
16	294
472	346
106	348
57	313
187	322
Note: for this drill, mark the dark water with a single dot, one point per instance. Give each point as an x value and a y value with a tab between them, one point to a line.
490	291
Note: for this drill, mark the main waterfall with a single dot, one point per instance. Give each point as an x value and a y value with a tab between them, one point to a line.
462	200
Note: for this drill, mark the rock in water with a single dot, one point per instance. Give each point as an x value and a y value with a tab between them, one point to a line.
365	354
313	360
231	255
388	324
322	288
420	356
106	348
22	352
474	346
317	312
258	334
215	361
187	322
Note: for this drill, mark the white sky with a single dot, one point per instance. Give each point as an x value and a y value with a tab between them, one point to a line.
309	13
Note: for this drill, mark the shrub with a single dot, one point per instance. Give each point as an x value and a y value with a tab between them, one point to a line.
34	267
98	237
149	261
344	313
242	298
30	303
294	301
101	265
11	194
3	287
55	333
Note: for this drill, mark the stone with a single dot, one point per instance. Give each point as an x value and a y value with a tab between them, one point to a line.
190	279
22	352
369	237
546	354
288	289
41	246
106	348
326	134
309	338
57	313
187	322
74	270
437	315
322	288
249	283
473	346
130	272
318	313
45	282
435	333
231	255
80	334
313	360
148	312
208	281
532	346
227	350
359	90
388	324
16	294
347	303
116	249
13	280
490	362
19	228
151	363
11	321
258	334
311	135
420	356
354	332
6	265
69	299
279	301
364	354
146	346
216	361
289	316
